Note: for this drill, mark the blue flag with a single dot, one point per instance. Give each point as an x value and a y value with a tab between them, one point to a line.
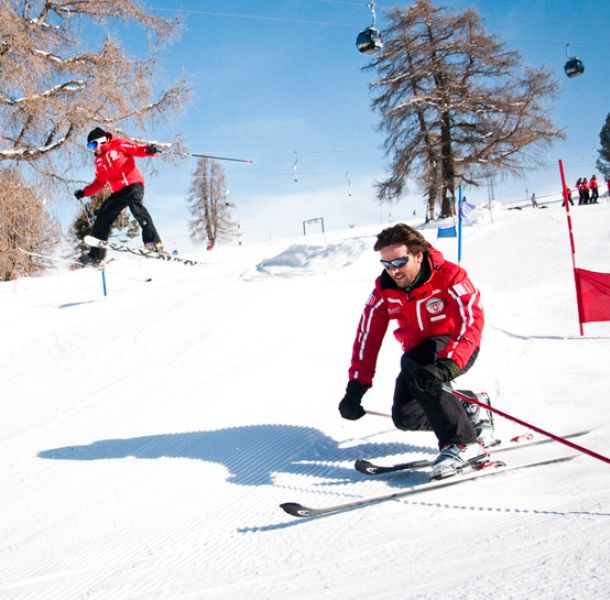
445	232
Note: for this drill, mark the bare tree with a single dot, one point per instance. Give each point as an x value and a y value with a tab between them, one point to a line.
455	105
54	86
24	223
209	204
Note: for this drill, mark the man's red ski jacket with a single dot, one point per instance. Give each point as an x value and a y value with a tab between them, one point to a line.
447	304
116	166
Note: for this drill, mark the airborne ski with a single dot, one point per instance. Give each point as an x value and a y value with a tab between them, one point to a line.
300	510
93	242
369	468
47	258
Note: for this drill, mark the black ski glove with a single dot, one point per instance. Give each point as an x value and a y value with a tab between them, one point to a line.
78	194
431	377
350	407
152	149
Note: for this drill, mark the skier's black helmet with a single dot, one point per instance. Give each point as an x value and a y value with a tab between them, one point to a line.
97	133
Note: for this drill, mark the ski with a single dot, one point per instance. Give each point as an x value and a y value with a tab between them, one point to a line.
66	261
47	258
300	510
93	242
369	468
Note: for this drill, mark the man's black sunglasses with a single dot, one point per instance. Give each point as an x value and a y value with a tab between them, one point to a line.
395	263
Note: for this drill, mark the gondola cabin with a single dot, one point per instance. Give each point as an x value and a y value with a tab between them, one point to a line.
574	67
369	40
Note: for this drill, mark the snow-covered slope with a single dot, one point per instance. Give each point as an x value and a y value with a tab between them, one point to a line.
148	437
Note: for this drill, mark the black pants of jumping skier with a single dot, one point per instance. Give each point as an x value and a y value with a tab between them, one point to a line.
131	197
441	412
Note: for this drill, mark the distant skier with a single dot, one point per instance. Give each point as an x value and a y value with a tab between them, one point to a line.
584	191
439	322
594	189
115	166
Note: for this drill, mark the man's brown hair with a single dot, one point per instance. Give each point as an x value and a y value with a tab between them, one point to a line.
402	234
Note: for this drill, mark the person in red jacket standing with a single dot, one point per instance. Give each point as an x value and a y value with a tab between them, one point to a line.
115	166
439	320
584	186
594	189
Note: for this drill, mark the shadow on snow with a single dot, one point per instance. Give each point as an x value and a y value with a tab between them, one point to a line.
250	453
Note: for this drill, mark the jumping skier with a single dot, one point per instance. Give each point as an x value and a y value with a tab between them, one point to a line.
115	166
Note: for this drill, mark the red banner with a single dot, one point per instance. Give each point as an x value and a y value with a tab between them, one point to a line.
593	292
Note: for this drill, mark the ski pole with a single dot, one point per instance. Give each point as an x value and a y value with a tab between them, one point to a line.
497	411
164	146
377	414
167	145
243	160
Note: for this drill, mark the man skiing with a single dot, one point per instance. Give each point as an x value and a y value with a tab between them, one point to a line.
439	322
115	166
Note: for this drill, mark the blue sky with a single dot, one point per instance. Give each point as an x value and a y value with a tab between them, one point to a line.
272	78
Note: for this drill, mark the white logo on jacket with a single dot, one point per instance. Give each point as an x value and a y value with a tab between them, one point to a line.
434	306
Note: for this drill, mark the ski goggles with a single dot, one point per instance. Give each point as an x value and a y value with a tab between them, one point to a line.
395	263
93	144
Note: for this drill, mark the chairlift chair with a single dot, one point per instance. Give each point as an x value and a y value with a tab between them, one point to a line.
574	66
369	40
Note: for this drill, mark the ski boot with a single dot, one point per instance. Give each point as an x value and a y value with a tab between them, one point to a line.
455	457
481	420
154	247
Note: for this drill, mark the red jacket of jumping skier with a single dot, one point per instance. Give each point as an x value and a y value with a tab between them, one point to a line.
115	166
446	304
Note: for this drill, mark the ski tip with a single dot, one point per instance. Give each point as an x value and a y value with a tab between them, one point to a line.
364	466
295	509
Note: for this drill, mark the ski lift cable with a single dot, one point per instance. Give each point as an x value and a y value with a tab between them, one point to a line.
512	18
358	4
210	13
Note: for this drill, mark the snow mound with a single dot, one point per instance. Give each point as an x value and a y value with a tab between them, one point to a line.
309	259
